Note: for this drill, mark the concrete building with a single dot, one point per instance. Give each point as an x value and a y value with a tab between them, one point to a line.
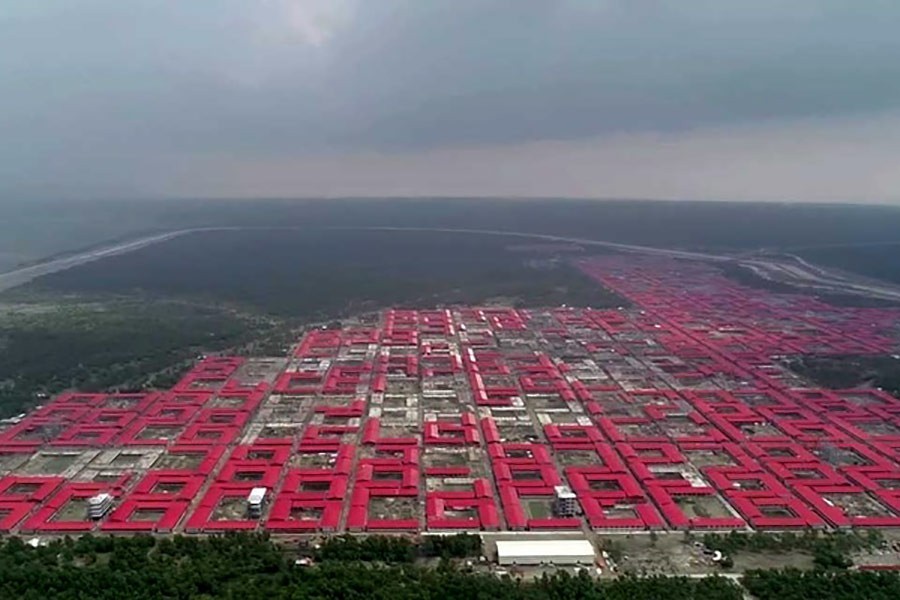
565	503
99	505
535	552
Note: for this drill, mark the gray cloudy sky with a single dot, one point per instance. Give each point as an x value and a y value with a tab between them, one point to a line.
724	99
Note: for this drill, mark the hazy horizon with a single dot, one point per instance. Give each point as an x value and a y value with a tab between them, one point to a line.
594	99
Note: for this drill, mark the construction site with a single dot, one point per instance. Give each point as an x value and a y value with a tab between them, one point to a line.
677	412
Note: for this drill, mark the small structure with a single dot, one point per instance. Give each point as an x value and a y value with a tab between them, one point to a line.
255	502
565	503
99	505
535	552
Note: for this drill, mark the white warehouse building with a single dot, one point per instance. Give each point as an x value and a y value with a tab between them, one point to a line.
535	552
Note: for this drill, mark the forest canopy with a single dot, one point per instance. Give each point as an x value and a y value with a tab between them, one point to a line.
252	566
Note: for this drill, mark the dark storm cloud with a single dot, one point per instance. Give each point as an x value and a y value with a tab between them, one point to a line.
106	94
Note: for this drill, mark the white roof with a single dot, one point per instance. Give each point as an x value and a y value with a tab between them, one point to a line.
564	491
257	495
544	548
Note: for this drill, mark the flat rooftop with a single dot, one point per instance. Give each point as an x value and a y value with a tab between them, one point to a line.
544	549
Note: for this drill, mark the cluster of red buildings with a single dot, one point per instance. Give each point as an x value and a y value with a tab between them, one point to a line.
673	414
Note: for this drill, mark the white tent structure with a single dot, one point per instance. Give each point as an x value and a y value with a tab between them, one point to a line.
536	552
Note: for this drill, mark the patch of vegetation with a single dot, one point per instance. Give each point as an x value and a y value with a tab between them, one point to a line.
373	548
250	566
842	372
461	545
829	550
792	584
50	345
699	225
830	559
880	262
393	549
747	277
322	274
156	308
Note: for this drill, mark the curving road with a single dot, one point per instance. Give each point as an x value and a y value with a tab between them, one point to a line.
789	269
17	277
793	270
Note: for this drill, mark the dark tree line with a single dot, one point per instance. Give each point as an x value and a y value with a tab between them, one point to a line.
372	548
840	372
829	550
318	275
461	545
391	549
251	566
809	541
792	584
